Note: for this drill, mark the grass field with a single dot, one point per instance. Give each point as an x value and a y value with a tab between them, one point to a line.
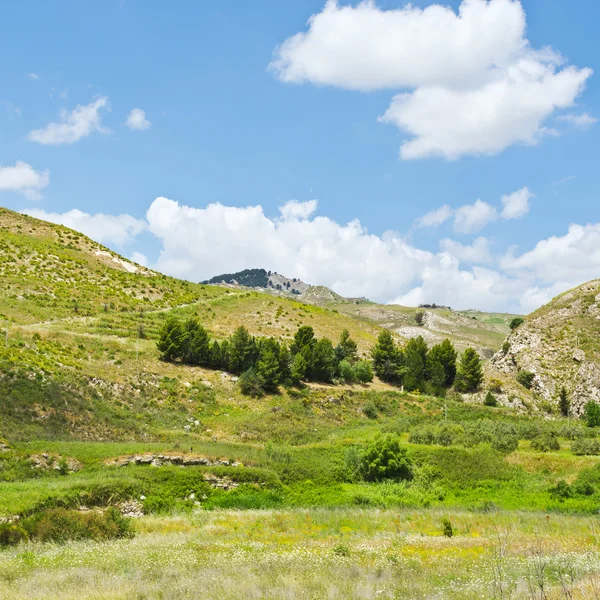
319	553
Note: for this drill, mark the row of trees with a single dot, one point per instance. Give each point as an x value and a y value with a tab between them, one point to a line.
416	366
264	363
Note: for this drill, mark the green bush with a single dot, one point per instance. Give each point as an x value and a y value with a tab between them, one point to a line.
251	383
591	413
385	458
12	534
61	525
490	400
423	434
586	446
447	528
545	442
506	443
363	371
516	322
370	410
525	378
347	373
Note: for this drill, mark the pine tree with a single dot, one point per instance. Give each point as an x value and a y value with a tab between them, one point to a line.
298	368
346	348
242	351
447	356
171	340
563	402
469	374
196	345
324	362
415	357
215	356
268	366
386	357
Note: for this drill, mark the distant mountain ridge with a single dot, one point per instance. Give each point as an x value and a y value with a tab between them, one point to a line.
262	279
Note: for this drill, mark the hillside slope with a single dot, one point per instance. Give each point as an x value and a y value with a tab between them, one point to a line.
560	344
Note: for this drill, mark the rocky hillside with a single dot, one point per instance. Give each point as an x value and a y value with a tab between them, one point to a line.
560	345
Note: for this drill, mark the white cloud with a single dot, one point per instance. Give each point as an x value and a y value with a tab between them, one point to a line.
140	259
298	210
106	229
476	253
435	218
475	86
33	76
197	243
137	120
471	218
516	205
23	178
581	121
73	125
474	217
572	258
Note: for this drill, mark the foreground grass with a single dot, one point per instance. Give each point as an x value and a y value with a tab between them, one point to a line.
351	553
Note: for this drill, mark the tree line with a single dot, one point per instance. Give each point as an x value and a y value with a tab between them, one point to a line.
433	370
264	363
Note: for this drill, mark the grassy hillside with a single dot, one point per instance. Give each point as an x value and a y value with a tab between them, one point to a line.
90	418
558	344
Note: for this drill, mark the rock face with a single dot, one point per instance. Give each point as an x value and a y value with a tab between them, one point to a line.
158	460
560	344
54	461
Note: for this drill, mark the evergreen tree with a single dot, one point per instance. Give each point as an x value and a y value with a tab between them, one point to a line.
242	351
446	355
196	347
346	348
304	337
386	357
285	361
224	358
563	402
171	340
469	374
298	368
268	366
415	362
324	361
215	356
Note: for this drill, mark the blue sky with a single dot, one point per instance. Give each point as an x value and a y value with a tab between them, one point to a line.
217	124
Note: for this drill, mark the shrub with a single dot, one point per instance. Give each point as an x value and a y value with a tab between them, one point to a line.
370	410
586	446
525	378
363	371
490	400
341	550
347	373
251	383
447	528
425	434
495	386
420	318
385	458
561	491
516	322
61	525
448	433
505	348
591	414
11	534
505	443
545	442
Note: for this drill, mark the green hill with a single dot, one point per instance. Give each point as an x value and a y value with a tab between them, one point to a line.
559	346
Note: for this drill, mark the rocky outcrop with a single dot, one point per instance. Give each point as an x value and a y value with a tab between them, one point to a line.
158	460
54	461
560	344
